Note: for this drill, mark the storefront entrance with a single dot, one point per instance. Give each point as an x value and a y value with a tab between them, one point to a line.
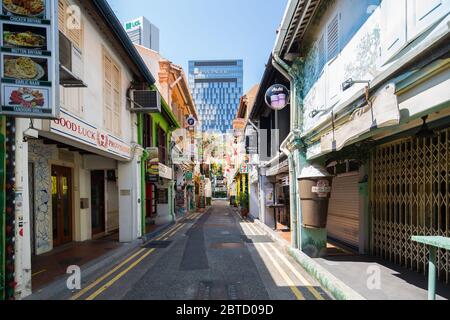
98	202
62	205
410	183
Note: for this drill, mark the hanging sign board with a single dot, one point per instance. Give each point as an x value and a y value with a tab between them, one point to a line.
277	97
152	175
29	70
244	169
191	122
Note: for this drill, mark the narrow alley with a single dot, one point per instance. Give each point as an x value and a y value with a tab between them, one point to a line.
209	256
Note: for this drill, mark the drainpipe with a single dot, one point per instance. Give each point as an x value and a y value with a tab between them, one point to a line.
286	71
140	124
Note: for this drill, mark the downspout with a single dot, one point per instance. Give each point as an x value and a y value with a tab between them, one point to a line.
140	124
286	71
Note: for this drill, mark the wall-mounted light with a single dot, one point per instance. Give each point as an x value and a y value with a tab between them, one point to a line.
30	133
350	83
314	113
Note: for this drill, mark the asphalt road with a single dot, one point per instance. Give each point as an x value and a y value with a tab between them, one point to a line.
209	256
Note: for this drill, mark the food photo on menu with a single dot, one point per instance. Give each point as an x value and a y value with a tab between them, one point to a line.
25	68
26	8
26	97
24	37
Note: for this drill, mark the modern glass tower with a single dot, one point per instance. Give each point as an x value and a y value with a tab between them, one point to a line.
216	86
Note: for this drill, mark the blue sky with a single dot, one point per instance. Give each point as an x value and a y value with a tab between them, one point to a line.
212	29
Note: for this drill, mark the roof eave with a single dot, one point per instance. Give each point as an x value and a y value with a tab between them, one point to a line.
116	27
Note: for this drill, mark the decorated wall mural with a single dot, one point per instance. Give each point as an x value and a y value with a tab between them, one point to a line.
40	155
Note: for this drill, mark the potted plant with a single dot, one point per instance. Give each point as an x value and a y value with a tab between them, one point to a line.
244	203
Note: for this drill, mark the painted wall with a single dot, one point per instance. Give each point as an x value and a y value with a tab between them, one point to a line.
372	37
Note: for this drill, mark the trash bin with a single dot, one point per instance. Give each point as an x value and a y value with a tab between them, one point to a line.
315	190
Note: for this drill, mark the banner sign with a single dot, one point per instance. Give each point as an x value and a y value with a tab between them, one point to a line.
80	131
29	85
244	169
152	174
189	176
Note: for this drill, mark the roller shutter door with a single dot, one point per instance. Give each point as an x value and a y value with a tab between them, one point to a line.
343	214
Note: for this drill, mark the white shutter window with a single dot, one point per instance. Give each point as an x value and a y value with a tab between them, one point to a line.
62	8
322	60
333	73
333	38
116	100
422	14
107	94
112	96
393	28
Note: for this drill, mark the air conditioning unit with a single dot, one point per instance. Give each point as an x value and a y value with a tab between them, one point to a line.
146	101
71	63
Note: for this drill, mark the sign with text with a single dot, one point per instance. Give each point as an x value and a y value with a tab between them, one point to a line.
29	70
80	131
152	174
277	97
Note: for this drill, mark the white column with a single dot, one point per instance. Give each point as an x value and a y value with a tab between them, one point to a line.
129	200
23	223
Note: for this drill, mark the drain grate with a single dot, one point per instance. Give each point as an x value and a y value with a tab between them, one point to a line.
157	244
228	245
233	292
257	239
204	291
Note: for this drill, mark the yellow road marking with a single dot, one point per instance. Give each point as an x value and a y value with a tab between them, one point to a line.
174	232
168	233
119	276
308	285
39	272
286	278
99	280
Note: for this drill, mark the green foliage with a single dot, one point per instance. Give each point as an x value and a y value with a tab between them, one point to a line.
244	200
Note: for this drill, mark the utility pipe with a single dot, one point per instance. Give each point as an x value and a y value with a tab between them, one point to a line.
286	71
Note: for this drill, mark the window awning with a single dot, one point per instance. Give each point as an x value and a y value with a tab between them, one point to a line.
68	80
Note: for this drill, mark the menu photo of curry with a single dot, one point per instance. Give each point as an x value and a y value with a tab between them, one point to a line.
24	37
25	8
25	68
25	97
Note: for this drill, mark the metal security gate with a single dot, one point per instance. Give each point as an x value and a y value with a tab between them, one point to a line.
343	213
410	195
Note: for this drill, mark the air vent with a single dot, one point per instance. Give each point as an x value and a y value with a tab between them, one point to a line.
148	101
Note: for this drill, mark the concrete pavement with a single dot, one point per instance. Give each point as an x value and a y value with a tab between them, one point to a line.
210	256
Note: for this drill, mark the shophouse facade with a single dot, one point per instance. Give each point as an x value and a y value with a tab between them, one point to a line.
177	133
80	175
370	104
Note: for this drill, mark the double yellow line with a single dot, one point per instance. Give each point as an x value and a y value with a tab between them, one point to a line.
299	296
145	253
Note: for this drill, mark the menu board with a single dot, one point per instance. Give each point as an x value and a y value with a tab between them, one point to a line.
28	60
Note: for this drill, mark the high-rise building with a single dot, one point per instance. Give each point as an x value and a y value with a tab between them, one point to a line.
143	33
217	86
